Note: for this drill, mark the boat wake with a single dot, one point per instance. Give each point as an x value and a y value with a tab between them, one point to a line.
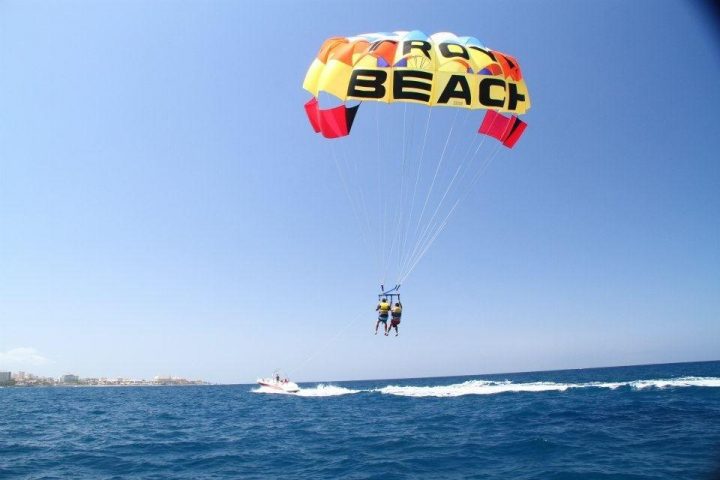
323	390
472	387
676	382
487	387
484	387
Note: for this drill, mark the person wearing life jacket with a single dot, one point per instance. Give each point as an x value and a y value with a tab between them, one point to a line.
396	313
383	309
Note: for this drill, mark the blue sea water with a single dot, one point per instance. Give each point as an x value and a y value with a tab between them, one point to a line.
645	422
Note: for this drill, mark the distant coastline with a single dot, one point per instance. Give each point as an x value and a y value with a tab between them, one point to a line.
29	380
149	384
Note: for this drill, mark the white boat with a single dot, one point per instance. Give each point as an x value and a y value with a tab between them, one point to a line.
279	384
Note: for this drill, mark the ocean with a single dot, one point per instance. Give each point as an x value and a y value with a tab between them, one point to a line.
641	422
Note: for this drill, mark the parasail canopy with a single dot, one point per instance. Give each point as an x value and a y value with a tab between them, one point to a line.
437	70
408	164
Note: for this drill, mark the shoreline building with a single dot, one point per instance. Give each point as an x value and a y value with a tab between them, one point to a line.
5	378
69	379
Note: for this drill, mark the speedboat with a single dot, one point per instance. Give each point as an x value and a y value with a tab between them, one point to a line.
279	384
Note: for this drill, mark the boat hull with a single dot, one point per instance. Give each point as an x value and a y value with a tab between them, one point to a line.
289	387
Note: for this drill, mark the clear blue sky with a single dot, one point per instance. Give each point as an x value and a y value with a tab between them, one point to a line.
164	208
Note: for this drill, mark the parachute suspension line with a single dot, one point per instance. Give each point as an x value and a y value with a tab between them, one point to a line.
409	154
483	167
363	231
381	203
445	220
396	211
463	166
405	196
399	204
403	188
439	206
430	234
437	169
392	228
417	179
440	226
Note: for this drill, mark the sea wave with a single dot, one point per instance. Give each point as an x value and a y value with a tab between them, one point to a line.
485	387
